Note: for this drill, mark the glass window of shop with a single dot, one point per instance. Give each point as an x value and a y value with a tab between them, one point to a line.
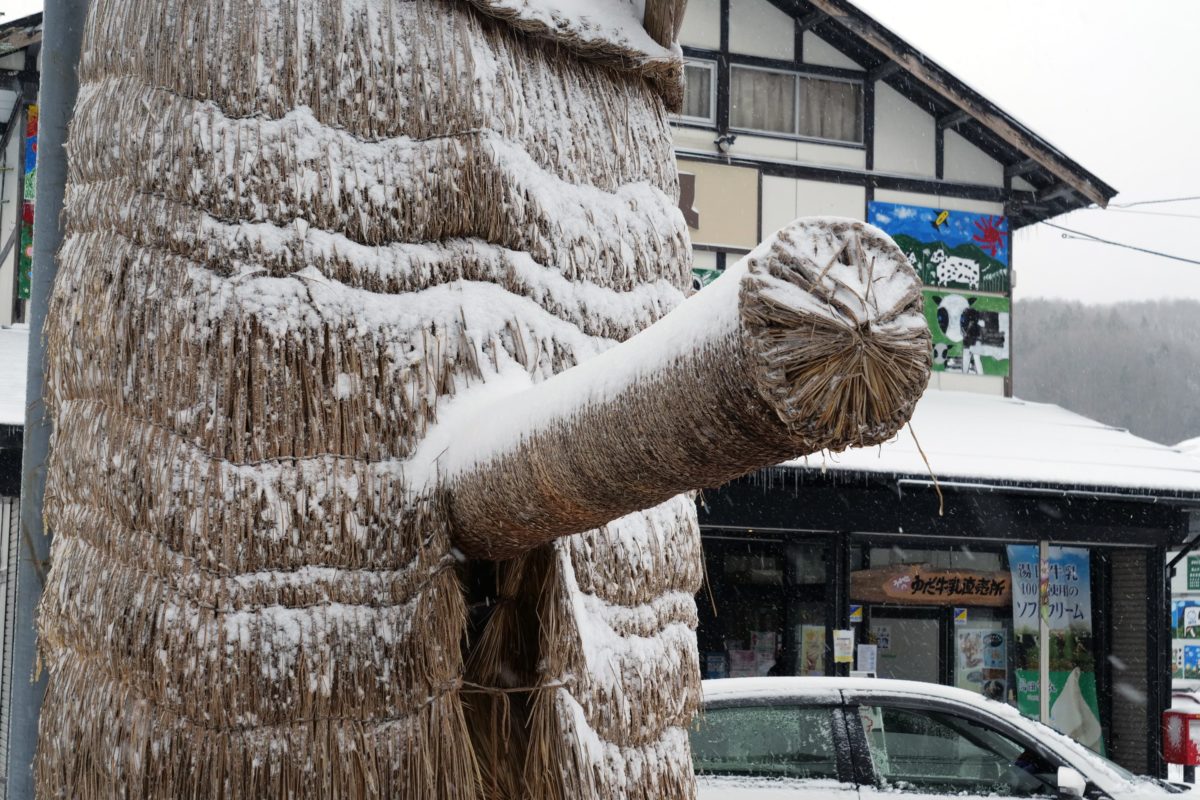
967	616
766	606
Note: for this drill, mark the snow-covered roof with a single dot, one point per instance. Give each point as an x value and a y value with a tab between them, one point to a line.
14	347
1190	446
975	438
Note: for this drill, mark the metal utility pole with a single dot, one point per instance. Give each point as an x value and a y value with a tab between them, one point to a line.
62	35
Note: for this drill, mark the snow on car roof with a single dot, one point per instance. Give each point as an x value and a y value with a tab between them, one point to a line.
975	437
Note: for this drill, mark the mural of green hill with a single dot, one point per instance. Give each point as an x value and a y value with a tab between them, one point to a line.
993	274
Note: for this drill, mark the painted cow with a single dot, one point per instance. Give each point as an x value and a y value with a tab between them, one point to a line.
982	333
956	269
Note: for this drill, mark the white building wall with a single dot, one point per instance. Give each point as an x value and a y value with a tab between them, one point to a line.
820	52
757	28
966	163
904	135
785	199
702	24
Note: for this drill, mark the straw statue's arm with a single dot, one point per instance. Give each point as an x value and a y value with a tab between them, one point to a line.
814	341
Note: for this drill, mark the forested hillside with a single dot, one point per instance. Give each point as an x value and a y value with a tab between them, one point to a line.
1136	365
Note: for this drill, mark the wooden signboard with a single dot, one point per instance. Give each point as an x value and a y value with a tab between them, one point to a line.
918	584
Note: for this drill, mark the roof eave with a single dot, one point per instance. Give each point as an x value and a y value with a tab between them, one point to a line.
1088	187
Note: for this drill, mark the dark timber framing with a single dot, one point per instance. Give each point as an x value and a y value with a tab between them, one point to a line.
1059	184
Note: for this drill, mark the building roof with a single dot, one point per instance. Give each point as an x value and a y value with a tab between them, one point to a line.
14	349
1060	184
987	440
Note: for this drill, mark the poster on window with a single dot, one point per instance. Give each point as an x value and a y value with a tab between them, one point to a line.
1185	619
949	249
970	332
1074	708
25	254
981	659
812	650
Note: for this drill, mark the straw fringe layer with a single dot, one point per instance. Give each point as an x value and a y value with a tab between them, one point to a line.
147	221
254	368
371	68
263	663
468	184
322	511
127	747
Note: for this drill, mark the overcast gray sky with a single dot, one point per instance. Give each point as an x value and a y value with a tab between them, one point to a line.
1114	85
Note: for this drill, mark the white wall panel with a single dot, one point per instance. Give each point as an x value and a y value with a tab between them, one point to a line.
831	155
820	52
967	163
778	204
700	139
704	259
785	199
818	198
702	24
956	382
904	135
758	28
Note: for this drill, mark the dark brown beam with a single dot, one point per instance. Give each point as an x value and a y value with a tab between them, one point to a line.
883	71
810	21
1055	192
1020	168
953	119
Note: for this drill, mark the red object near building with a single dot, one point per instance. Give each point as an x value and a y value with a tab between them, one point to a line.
1181	732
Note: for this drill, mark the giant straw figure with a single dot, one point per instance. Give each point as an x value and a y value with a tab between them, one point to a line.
362	485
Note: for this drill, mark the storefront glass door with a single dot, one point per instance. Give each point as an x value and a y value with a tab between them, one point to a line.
908	643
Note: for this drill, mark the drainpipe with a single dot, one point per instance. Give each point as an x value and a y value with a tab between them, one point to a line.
62	34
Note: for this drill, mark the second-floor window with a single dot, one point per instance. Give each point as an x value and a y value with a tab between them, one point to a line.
776	101
700	92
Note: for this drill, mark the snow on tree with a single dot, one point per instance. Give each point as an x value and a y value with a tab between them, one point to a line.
361	300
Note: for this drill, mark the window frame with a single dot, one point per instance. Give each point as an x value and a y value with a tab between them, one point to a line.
846	769
864	768
800	75
714	75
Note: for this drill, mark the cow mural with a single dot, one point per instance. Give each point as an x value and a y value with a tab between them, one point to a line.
949	249
967	330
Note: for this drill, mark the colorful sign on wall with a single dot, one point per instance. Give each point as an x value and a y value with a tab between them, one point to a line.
970	332
1074	707
949	249
25	254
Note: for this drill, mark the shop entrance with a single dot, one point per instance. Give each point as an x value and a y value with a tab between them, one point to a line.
957	646
909	642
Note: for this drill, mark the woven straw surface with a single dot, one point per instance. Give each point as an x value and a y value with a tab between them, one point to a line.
295	229
298	232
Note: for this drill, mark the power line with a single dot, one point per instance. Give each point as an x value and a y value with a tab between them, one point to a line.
1145	213
1155	202
1090	237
